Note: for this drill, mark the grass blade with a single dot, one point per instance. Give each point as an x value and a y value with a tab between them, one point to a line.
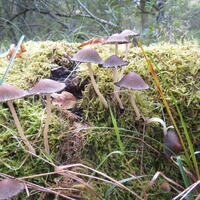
121	146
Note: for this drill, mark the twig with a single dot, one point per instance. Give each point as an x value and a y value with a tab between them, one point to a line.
95	17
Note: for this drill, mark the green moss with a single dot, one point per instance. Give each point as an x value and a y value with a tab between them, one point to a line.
179	65
36	62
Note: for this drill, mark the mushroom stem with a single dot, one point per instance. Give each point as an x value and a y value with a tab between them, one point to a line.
116	49
48	119
101	97
156	119
136	109
116	89
126	51
19	128
126	56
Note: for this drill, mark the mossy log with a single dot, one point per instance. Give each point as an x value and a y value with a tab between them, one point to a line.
179	65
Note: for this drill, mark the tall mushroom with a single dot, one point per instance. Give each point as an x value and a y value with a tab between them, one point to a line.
116	39
89	55
133	81
8	93
127	34
46	87
115	62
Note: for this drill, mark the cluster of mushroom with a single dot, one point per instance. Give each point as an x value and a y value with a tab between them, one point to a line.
46	87
131	81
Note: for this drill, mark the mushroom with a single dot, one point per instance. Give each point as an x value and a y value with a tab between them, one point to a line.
116	39
165	187
115	62
10	188
8	93
46	87
89	55
133	81
172	144
127	34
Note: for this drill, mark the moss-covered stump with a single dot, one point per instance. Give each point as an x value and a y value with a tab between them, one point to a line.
178	65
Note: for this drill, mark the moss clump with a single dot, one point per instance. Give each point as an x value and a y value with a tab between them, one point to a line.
36	62
179	65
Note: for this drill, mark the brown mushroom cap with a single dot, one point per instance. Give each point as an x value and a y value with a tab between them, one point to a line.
116	39
87	55
114	61
128	33
9	92
46	86
132	81
165	187
10	188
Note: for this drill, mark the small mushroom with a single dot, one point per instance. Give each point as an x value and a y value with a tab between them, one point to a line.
116	39
46	87
10	188
8	93
133	81
127	34
172	144
165	187
115	62
89	55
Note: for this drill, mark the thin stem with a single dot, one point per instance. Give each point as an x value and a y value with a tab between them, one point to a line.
126	56
156	119
116	89
19	128
48	119
126	51
116	49
136	109
101	97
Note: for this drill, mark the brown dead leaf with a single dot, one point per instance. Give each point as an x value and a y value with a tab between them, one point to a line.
12	49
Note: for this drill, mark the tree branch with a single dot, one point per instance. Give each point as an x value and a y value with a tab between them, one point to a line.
93	16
